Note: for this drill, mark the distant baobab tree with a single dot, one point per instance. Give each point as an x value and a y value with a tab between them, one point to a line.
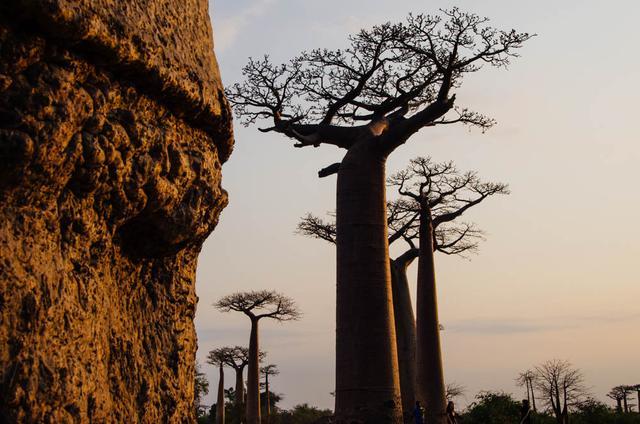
454	390
370	98
617	394
268	370
403	218
238	359
439	194
258	305
621	395
219	357
526	379
561	388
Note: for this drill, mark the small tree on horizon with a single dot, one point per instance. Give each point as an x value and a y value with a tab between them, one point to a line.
560	387
392	81
268	370
258	305
219	357
526	379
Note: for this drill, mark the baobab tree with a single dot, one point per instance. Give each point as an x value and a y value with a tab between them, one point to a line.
439	194
268	370
258	305
219	358
238	359
526	379
370	98
454	390
454	193
618	394
561	388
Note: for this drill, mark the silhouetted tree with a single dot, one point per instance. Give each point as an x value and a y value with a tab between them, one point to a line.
526	379
369	99
439	194
561	388
238	359
617	393
219	358
200	389
258	305
454	390
268	370
403	222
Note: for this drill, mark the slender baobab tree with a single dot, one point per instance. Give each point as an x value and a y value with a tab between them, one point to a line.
618	394
440	194
219	358
561	388
526	379
238	360
370	98
258	305
450	238
268	370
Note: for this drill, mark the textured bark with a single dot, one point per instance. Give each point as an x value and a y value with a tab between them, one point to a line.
220	401
367	382
405	335
106	195
253	376
430	385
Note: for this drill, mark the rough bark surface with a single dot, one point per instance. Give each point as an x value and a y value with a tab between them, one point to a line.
367	380
107	192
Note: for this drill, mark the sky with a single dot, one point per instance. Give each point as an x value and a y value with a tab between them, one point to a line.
557	276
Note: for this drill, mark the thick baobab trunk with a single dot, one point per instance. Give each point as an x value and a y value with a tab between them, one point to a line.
367	381
239	399
430	386
267	407
220	402
405	333
253	377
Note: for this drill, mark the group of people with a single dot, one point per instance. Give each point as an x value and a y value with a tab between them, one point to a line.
418	413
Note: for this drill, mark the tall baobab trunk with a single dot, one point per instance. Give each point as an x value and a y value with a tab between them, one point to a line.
624	400
267	407
405	331
239	399
430	385
253	377
533	396
619	405
638	393
367	381
220	402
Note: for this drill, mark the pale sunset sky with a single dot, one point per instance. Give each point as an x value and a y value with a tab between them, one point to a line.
558	274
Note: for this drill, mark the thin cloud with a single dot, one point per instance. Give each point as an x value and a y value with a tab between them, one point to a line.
226	30
519	326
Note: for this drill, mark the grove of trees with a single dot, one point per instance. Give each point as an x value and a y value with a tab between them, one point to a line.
370	98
